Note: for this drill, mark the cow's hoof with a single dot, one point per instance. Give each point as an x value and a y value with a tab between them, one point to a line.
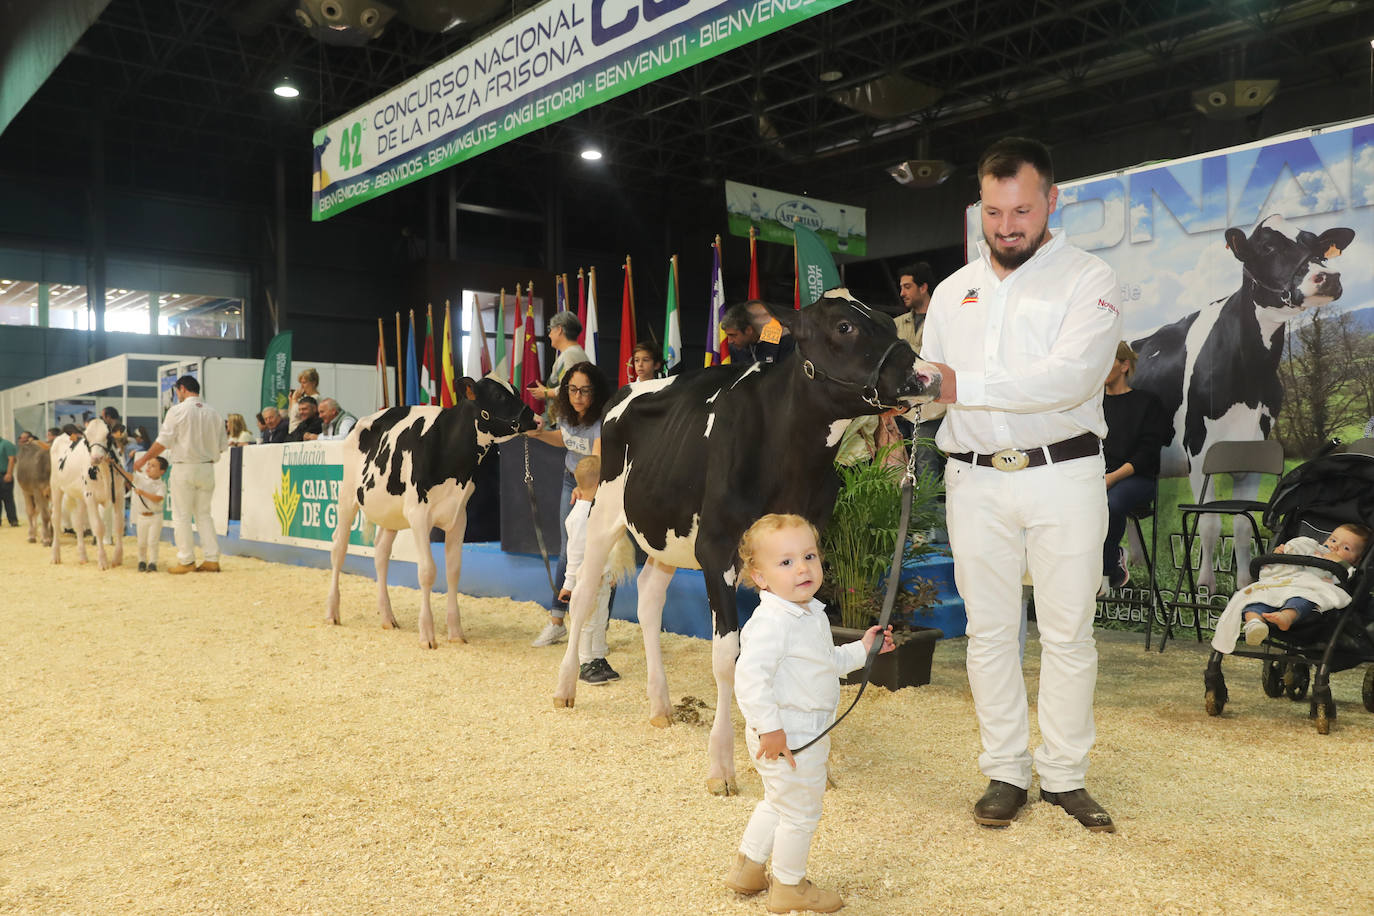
389	625
660	721
429	644
330	619
723	787
563	702
33	540
461	639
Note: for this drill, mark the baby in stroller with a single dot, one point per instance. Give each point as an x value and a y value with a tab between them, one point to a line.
1286	593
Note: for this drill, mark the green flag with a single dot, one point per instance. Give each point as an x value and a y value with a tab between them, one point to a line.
276	372
816	271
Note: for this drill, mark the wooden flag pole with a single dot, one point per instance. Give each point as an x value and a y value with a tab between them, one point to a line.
381	344
400	366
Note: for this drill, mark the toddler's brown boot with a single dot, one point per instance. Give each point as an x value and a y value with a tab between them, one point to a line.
746	876
783	898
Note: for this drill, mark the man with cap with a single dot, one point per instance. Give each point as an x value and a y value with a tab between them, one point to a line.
194	435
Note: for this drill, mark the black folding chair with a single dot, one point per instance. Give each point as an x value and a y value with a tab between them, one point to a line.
1150	601
1231	459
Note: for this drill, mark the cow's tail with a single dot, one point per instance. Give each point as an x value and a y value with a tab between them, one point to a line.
620	565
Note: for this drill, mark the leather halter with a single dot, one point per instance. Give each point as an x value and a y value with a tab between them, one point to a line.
868	388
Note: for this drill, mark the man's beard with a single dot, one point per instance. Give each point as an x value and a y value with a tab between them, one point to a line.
1014	259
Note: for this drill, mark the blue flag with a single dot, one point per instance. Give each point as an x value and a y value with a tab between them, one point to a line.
412	371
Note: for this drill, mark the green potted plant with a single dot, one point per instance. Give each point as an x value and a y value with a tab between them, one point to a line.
858	544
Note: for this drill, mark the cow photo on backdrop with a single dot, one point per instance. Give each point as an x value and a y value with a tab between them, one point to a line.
1239	293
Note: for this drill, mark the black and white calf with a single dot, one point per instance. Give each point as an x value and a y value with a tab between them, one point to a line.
1217	370
80	472
412	467
691	461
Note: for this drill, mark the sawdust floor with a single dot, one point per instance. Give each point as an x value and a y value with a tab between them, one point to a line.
205	743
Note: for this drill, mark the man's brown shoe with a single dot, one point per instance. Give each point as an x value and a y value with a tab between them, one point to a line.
1081	806
208	566
999	804
177	569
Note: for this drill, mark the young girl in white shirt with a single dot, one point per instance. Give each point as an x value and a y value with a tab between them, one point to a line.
787	682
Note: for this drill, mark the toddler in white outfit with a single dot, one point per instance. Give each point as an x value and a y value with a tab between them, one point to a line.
145	505
787	682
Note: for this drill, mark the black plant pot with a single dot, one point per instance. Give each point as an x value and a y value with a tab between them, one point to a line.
907	666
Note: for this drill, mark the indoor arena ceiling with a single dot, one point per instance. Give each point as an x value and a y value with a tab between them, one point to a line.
183	87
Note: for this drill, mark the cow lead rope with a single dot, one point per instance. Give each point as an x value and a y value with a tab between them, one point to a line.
534	517
894	576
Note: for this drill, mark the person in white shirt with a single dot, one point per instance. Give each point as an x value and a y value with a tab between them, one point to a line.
336	422
145	505
787	684
193	433
1024	337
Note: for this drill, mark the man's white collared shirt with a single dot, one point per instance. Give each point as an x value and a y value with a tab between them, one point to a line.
1030	352
193	433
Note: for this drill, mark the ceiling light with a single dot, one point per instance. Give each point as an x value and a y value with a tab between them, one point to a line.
286	90
591	154
830	76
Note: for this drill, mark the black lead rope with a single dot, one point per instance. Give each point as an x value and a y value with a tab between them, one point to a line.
534	517
893	583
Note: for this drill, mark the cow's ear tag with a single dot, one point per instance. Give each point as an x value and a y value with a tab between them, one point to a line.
469	393
1333	252
772	331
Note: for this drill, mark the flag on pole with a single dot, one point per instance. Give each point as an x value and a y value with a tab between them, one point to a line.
627	328
385	400
582	310
429	392
412	373
478	360
517	350
276	372
447	398
717	345
753	264
589	327
560	292
501	368
672	326
529	362
816	271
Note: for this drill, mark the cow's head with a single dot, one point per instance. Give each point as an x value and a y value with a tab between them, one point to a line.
500	412
1286	273
855	352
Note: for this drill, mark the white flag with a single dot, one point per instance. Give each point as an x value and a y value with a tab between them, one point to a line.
591	317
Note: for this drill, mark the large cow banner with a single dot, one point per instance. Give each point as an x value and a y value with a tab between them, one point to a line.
1246	289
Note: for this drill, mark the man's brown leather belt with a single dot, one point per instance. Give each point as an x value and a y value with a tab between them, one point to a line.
1014	459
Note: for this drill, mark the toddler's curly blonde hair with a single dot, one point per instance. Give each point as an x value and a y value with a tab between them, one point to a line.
769	524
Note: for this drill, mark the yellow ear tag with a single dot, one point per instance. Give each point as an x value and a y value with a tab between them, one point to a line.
1333	252
772	331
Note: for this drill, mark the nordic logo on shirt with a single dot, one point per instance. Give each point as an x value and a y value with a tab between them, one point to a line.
970	297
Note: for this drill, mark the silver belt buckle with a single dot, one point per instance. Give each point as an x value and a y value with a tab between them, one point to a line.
1010	459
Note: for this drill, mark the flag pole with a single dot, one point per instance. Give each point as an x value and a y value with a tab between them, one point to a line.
381	348
400	365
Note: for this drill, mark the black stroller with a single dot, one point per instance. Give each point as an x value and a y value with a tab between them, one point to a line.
1313	499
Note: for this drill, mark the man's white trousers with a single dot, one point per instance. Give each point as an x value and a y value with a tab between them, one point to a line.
193	487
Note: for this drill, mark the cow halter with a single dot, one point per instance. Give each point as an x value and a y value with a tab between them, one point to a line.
868	388
1285	294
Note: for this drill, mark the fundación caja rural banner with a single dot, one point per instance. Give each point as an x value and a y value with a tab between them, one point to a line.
561	57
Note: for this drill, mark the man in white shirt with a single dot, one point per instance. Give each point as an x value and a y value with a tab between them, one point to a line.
1024	337
193	434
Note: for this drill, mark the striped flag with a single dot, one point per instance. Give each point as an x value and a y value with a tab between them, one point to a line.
517	349
429	388
447	397
717	346
502	368
589	327
383	397
672	327
582	309
412	373
478	361
627	327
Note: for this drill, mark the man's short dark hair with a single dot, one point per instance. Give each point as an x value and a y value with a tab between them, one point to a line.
1004	159
54	430
110	412
189	383
737	318
71	429
308	400
920	273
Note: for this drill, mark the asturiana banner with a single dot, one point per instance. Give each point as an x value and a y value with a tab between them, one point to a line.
561	57
843	228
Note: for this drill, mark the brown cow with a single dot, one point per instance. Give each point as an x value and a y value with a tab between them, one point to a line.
32	472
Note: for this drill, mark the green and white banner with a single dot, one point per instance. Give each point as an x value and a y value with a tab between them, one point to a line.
291	493
562	57
843	228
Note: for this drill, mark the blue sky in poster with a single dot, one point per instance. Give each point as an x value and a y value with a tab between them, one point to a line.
1161	226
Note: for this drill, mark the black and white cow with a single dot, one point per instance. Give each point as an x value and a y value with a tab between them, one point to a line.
412	467
1217	370
80	472
691	461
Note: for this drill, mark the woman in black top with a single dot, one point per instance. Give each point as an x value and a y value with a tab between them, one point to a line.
1136	431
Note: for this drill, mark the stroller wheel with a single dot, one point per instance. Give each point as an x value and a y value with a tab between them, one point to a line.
1271	677
1296	677
1369	689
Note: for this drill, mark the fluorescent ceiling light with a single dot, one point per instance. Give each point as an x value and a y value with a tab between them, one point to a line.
591	154
286	90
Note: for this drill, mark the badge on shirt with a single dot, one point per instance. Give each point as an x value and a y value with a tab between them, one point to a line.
772	331
970	297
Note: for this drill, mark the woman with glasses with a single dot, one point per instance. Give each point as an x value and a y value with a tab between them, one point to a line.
582	396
